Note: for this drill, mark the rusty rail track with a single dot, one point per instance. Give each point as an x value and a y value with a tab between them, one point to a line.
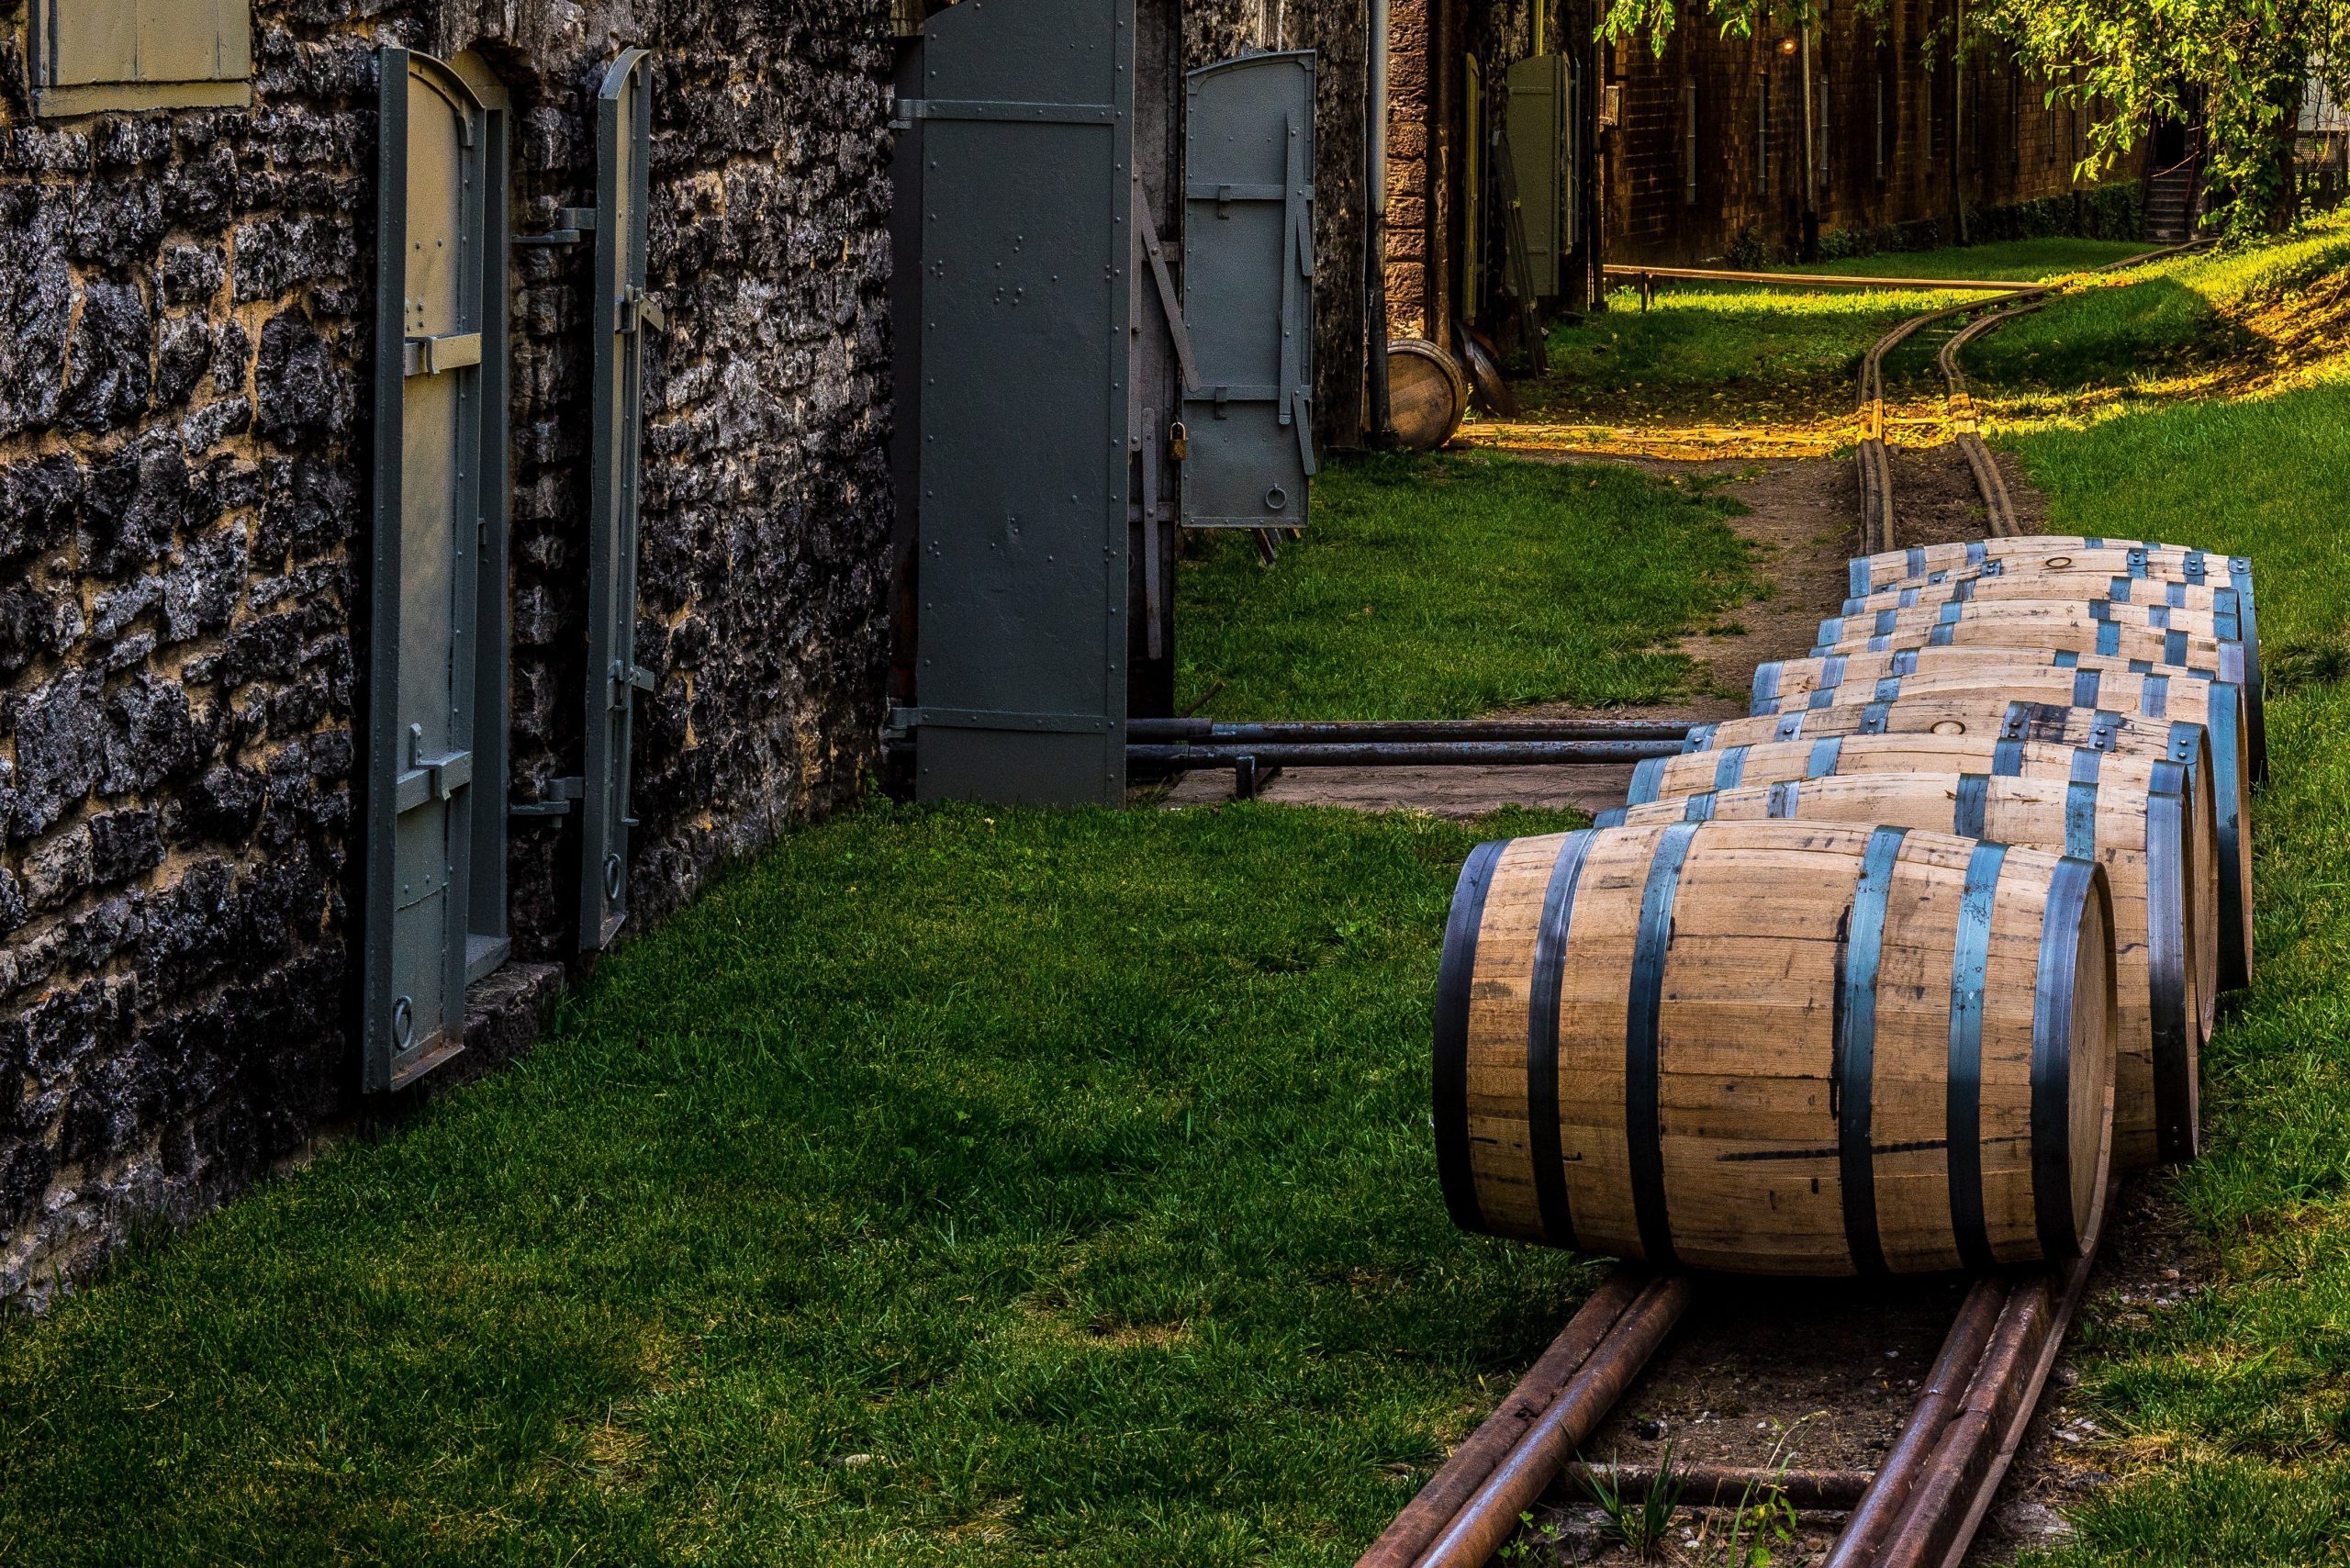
1877	513
1920	1507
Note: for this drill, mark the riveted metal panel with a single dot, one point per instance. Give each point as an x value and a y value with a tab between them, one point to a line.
1540	112
429	529
1249	291
1024	133
615	448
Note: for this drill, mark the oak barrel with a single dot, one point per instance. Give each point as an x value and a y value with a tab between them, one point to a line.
2058	561
2134	557
1777	1048
2199	639
1428	395
2143	840
2222	797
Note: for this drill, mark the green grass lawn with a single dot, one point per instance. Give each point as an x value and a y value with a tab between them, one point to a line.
1737	344
2231	1417
952	1186
1444	586
2148	318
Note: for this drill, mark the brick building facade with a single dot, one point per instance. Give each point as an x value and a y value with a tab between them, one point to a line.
1708	161
1702	154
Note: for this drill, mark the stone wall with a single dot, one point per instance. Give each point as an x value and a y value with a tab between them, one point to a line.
185	321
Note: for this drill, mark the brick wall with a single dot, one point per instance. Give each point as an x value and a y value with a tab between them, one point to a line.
186	320
1881	106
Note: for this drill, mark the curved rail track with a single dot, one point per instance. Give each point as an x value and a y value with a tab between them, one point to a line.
1877	510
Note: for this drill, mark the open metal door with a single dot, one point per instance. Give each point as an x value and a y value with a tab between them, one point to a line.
438	467
623	144
1249	291
1025	136
1541	148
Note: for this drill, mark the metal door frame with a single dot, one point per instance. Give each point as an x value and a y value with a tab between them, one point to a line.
621	311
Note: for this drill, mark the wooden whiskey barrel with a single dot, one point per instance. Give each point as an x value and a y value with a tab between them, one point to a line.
1428	395
2162	968
2188	605
2221	801
2059	561
2046	551
2062	589
1777	1048
2203	640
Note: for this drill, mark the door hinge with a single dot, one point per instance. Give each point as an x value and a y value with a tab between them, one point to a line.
556	802
571	224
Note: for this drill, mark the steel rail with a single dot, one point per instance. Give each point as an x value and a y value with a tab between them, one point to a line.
1473	1462
1357	732
1920	1507
1999	506
1818	280
1932	1492
1400	754
1492	1512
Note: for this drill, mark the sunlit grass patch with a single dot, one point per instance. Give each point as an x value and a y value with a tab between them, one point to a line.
1446	586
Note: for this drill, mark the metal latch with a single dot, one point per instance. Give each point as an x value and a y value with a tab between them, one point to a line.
626	675
560	793
430	777
436	356
638	307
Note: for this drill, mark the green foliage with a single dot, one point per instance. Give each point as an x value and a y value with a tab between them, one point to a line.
1446	586
949	1186
1640	1522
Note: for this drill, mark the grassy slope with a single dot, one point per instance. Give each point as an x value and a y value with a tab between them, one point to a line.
2231	1415
1448	586
1745	341
1074	1167
2148	318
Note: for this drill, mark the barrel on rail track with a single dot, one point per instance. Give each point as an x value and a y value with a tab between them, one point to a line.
1778	1047
2143	839
2186	638
2049	552
1959	725
2185	605
2059	559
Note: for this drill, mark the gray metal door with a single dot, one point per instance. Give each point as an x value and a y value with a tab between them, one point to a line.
1249	291
1541	146
431	531
1026	129
615	449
